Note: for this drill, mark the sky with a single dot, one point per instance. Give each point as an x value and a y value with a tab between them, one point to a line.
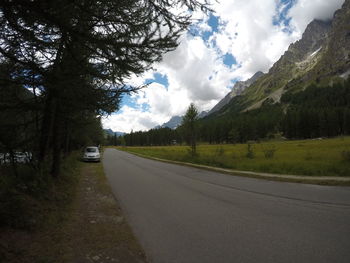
240	38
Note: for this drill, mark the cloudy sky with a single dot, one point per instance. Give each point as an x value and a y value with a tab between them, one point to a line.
239	39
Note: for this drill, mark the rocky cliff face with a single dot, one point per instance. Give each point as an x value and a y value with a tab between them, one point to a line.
335	60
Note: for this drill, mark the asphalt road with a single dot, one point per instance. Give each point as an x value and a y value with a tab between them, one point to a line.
183	214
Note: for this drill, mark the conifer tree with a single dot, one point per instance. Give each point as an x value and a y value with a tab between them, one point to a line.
189	124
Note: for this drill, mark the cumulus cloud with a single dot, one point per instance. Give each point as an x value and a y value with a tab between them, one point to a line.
248	30
197	68
305	11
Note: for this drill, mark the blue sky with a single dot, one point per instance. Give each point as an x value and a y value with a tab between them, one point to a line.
241	38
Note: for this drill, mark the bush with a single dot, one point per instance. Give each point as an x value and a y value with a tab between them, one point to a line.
250	151
269	151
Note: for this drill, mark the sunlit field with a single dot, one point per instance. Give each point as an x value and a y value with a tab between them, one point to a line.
318	157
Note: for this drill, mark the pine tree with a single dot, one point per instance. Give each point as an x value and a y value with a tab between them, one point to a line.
189	123
78	54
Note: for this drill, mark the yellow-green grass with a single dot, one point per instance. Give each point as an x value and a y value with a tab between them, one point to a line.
318	157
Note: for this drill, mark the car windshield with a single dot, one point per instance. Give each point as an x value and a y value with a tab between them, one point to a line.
91	150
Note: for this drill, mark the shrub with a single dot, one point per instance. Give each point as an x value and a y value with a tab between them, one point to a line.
269	151
250	151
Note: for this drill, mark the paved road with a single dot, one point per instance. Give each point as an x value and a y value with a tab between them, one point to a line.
183	214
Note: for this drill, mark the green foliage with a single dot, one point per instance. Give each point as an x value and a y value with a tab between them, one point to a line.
241	127
153	137
317	112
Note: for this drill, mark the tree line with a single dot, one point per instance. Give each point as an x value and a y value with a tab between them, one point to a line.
317	111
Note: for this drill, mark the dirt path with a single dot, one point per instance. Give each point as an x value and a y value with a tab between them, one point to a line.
98	230
91	228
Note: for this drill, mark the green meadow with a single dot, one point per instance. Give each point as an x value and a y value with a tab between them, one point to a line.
318	157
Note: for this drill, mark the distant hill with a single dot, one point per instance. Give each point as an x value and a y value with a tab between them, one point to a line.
175	121
111	132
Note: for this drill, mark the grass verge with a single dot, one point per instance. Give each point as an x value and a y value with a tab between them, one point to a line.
323	157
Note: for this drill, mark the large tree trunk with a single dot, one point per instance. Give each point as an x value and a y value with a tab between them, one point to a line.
50	107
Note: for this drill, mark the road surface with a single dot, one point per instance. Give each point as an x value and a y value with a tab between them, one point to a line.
183	214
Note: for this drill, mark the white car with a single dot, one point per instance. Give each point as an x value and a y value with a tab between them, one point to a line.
91	154
18	157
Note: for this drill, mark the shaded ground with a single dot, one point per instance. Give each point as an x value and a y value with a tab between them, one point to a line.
91	229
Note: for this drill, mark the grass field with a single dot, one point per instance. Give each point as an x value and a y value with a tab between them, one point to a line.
319	157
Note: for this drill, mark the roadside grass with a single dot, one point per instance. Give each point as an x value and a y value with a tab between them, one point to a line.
317	157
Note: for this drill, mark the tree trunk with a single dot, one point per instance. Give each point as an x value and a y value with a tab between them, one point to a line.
46	129
56	140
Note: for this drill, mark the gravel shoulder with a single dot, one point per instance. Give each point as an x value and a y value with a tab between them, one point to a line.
98	230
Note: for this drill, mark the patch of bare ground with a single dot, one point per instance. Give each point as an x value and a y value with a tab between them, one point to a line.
98	230
89	229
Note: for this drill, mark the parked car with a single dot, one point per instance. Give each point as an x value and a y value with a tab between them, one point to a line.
91	154
18	157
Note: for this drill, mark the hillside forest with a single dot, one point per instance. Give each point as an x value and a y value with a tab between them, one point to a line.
316	111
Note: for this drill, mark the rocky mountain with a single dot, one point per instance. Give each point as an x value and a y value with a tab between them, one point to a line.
321	56
237	89
173	123
111	132
203	114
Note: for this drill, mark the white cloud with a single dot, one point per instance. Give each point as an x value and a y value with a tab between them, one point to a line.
198	69
249	34
129	118
195	70
305	11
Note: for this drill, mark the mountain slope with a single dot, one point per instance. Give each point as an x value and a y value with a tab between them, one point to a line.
110	132
237	89
321	56
173	123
